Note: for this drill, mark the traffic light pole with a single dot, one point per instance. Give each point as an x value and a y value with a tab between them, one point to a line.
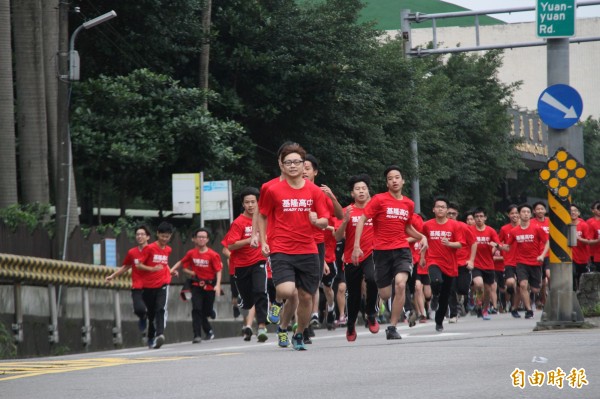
562	308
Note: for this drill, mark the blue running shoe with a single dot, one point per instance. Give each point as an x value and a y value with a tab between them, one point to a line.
274	311
298	341
282	338
151	343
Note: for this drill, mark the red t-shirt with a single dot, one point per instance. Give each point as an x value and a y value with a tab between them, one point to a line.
530	243
437	253
320	233
366	239
330	242
390	218
263	190
463	254
510	256
545	225
136	278
415	247
153	255
498	264
241	229
205	265
287	208
484	258
595	249
581	252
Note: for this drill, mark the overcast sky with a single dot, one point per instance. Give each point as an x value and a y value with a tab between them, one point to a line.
581	12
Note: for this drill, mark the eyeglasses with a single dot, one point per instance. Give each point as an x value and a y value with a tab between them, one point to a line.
295	162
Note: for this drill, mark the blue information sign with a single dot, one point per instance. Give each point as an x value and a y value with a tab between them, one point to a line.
560	106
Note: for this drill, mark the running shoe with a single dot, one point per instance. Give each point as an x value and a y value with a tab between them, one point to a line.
479	312
492	310
435	301
331	320
485	315
247	333
453	320
515	314
160	340
314	320
209	336
236	312
342	321
392	333
151	343
412	318
373	325
197	340
298	342
529	314
311	331
439	328
262	335
306	336
282	338
274	312
351	334
423	319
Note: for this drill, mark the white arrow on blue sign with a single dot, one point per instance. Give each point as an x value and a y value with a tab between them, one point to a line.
560	106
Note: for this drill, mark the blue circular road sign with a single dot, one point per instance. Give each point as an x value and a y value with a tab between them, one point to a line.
560	106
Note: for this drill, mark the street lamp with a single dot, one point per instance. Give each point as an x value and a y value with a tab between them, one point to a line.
73	54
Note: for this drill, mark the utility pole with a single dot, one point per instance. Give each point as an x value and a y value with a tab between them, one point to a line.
205	55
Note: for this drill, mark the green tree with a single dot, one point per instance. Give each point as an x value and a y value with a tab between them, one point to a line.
130	133
589	189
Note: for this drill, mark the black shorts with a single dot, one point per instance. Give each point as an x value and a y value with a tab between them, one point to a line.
321	249
531	274
499	278
250	282
510	272
488	276
579	269
388	263
463	281
328	279
303	270
423	278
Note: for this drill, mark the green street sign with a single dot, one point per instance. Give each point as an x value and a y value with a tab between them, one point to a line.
555	18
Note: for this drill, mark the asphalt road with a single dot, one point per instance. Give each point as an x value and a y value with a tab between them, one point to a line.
470	359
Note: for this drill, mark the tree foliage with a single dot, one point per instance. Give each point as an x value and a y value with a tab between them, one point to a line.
132	132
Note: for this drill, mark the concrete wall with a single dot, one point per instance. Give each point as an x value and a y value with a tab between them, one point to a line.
529	64
36	316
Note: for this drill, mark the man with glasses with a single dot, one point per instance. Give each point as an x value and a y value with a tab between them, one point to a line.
289	209
203	265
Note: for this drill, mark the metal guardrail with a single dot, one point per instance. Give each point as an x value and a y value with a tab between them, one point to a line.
39	271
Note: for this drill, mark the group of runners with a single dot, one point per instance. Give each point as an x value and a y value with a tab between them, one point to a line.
282	249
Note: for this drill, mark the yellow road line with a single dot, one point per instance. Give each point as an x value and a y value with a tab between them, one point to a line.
15	370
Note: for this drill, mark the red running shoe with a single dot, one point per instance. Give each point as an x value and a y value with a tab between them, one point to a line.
373	324
351	334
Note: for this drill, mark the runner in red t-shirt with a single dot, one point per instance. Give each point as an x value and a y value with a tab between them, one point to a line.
539	218
142	235
510	260
204	267
483	273
391	213
465	258
250	271
444	237
594	223
156	277
292	207
310	172
420	275
363	268
581	252
532	246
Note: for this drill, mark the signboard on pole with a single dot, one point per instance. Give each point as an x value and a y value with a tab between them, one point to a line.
186	192
560	106
216	200
555	18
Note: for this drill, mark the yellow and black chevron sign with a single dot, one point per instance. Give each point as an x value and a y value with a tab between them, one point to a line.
560	218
